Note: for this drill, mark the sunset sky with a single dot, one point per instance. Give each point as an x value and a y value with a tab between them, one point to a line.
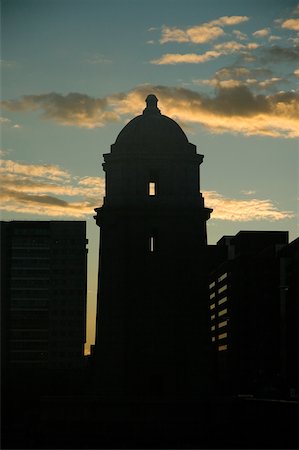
75	71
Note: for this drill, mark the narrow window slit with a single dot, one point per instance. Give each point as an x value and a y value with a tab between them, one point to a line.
152	244
152	188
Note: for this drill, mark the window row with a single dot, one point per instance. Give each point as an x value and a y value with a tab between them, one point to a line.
219	324
222	277
219	337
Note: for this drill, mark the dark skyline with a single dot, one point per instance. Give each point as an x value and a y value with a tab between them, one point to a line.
164	371
73	76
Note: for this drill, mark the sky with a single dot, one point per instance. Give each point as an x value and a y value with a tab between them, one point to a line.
74	72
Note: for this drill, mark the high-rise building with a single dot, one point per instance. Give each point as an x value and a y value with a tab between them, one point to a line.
246	310
43	291
289	313
152	320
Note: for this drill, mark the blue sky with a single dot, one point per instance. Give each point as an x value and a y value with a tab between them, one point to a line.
75	71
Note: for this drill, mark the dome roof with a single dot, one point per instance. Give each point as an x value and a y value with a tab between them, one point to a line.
151	131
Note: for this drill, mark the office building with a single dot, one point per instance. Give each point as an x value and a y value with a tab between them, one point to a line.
289	313
43	291
246	320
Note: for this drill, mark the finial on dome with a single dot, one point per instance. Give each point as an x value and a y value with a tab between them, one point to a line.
151	105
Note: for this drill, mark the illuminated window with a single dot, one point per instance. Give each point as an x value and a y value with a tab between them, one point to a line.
152	188
222	336
222	312
151	244
213	316
213	328
222	324
223	288
213	339
212	285
222	277
221	348
212	306
212	295
222	300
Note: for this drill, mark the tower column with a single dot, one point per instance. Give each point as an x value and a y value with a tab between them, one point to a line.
152	316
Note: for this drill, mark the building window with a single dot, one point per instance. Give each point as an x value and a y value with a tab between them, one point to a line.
212	285
212	306
152	244
213	339
222	300
222	336
223	288
221	348
222	312
213	328
213	316
212	295
222	324
152	189
222	277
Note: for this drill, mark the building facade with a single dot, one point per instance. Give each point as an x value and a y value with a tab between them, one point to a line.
289	312
152	319
253	312
43	291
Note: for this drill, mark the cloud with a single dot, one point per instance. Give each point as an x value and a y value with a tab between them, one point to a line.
234	109
262	33
265	84
240	35
187	58
233	46
280	54
296	72
4	120
7	122
71	109
225	48
232	71
295	40
173	34
48	171
221	84
291	24
232	83
273	38
31	190
47	190
4	152
199	34
243	210
235	76
230	47
296	10
248	192
229	20
202	33
242	73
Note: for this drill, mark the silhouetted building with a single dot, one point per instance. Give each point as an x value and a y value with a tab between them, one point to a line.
43	293
289	313
152	320
250	332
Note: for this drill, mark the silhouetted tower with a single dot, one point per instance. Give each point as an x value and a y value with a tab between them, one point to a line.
152	319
